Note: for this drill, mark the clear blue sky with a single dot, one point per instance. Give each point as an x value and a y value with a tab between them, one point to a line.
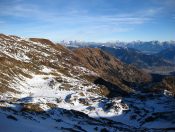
89	20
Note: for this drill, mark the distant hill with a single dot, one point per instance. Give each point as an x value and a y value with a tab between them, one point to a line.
135	57
168	54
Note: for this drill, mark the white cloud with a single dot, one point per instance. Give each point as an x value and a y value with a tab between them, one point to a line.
82	23
34	12
19	10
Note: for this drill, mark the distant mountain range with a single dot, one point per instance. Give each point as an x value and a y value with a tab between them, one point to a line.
149	47
153	56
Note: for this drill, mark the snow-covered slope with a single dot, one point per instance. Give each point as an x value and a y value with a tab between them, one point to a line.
39	76
44	87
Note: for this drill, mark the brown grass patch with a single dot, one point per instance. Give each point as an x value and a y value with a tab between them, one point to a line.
31	107
66	86
100	90
51	105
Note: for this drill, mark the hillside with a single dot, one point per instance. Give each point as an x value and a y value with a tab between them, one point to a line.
167	84
110	68
47	87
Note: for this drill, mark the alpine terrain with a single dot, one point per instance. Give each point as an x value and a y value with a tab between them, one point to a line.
47	87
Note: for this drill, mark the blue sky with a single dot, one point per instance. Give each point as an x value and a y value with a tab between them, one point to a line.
89	20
